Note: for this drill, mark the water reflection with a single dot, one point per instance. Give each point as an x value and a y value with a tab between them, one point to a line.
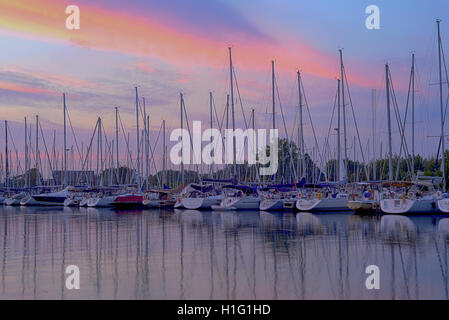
190	254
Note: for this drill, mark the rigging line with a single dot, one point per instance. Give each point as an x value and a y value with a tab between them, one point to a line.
294	126
355	121
412	74
216	114
15	149
292	167
152	154
313	129
447	98
240	97
332	117
220	124
74	136
46	151
88	150
126	141
190	134
399	122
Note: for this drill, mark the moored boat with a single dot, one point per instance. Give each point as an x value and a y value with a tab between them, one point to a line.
238	198
409	198
323	197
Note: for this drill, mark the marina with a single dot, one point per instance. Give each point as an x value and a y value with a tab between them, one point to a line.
167	163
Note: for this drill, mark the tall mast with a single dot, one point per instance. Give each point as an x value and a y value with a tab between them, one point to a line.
301	128
98	150
413	115
146	129
233	116
25	176
273	95
253	126
100	137
65	143
373	96
339	164
116	143
37	152
164	155
211	125
227	127
390	152
182	137
441	108
342	78
6	156
138	141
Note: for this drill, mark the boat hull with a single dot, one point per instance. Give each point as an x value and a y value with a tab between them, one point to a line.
28	201
363	205
271	205
443	205
101	202
128	201
238	203
201	203
327	204
409	206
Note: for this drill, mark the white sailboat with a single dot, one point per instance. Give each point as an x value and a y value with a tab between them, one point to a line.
323	197
409	197
238	198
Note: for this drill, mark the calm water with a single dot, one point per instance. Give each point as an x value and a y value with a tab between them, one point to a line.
187	254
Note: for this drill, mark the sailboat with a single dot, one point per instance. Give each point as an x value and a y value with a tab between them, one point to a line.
364	197
238	197
52	198
15	199
322	197
409	197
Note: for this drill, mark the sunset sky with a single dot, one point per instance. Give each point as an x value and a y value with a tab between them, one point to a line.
172	46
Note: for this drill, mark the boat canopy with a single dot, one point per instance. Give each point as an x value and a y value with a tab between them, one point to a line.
241	187
218	180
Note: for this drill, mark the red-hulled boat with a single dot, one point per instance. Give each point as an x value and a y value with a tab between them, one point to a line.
130	200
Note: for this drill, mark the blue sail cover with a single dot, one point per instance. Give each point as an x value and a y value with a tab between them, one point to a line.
206	188
218	180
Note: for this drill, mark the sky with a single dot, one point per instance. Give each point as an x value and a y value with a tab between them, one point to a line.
173	46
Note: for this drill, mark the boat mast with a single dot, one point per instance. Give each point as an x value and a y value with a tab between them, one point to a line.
100	137
6	156
138	142
342	78
339	167
211	125
441	108
164	155
146	129
390	152
25	176
301	129
37	152
65	143
273	95
373	97
233	116
182	137
413	115
227	127
253	125
116	144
